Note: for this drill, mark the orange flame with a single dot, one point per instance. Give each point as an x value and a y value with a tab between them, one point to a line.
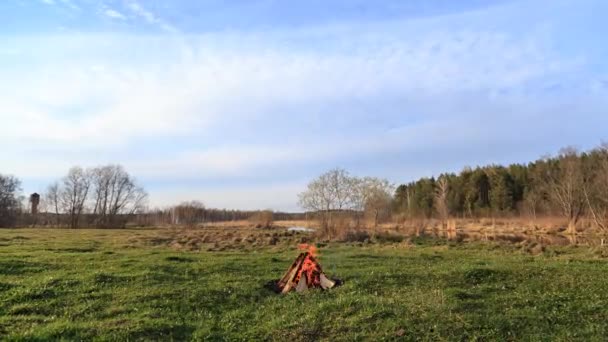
311	249
309	266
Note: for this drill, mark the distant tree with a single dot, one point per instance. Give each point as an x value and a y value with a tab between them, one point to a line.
481	182
533	198
262	219
373	196
115	194
402	200
331	191
52	200
571	184
596	194
441	198
501	190
565	185
536	195
519	179
10	204
189	213
424	197
73	195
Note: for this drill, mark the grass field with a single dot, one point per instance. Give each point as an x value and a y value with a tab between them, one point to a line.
95	285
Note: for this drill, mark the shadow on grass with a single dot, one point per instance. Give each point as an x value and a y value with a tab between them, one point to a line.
477	276
20	267
103	279
6	286
156	330
178	259
75	250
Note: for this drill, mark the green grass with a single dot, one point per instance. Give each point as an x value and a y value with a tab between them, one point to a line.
94	285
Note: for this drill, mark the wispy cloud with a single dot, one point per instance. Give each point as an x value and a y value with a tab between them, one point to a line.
401	98
195	87
114	14
70	4
151	18
67	3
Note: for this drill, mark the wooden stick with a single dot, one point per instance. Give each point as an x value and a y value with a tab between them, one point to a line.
285	276
302	284
326	283
293	274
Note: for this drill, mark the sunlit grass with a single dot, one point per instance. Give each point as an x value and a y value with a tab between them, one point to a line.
93	284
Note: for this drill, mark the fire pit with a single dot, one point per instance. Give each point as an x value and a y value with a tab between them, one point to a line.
304	273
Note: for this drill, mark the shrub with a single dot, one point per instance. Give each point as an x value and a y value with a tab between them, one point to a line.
386	237
262	219
356	236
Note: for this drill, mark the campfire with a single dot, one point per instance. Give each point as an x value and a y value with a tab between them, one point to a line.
305	273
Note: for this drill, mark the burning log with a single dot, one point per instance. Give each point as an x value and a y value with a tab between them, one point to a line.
305	273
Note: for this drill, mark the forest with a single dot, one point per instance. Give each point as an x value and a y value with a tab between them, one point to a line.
571	185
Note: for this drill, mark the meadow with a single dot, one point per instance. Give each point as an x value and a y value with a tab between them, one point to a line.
137	284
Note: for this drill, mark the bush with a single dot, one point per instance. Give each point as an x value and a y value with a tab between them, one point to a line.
356	236
386	237
262	219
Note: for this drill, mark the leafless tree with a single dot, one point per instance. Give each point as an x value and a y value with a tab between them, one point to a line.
188	213
372	195
596	194
332	191
10	203
115	193
441	198
262	219
73	194
340	186
532	201
566	183
52	201
336	191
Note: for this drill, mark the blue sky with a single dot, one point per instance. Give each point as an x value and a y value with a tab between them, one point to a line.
240	103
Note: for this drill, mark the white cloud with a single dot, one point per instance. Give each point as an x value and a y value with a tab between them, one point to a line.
70	4
150	17
197	86
67	3
114	14
92	99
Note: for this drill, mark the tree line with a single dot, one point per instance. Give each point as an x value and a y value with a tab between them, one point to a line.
571	184
104	197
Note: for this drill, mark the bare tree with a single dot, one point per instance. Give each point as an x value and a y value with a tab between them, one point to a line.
115	193
188	213
441	198
340	186
566	183
262	218
372	195
332	191
336	190
10	203
533	199
596	194
52	201
73	194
